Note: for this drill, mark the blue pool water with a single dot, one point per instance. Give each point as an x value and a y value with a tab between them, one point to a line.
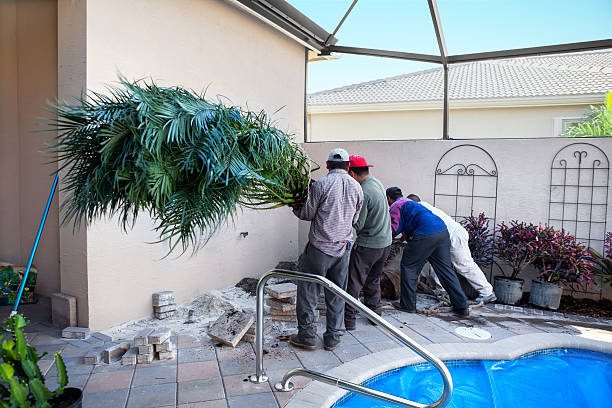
552	378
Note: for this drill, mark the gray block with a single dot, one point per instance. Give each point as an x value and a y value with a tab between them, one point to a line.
159	336
94	356
102	336
129	358
166	355
163	298
163	309
142	337
282	290
145	358
275	304
165	315
63	310
145	349
115	352
80	333
165	346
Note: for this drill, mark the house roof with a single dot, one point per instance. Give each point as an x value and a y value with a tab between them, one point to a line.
566	75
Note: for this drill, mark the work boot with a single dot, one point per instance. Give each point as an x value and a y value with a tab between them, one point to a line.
350	325
331	344
303	342
486	299
398	306
465	312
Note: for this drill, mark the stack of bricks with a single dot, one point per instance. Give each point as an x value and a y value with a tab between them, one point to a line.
147	345
163	304
152	343
282	298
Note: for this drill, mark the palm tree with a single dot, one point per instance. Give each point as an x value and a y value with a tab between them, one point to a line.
188	162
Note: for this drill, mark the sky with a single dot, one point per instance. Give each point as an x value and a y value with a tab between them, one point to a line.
468	25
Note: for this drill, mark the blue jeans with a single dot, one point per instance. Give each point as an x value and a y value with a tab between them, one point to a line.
434	248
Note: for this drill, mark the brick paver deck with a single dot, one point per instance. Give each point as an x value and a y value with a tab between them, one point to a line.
206	376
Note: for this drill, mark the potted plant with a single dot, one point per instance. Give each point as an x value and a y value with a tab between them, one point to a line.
481	238
512	247
481	247
23	384
560	259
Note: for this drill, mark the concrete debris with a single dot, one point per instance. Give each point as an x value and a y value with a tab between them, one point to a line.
231	327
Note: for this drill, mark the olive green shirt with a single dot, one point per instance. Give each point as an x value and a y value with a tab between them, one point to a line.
373	227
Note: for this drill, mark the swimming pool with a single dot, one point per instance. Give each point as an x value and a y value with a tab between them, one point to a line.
549	378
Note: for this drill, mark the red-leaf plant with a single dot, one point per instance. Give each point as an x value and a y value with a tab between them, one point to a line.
561	259
512	246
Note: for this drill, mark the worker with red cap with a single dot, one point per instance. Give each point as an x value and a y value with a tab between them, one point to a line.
373	242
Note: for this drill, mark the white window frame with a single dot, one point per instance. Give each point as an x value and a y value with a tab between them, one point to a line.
560	121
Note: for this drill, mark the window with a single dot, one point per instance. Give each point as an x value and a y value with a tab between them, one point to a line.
560	124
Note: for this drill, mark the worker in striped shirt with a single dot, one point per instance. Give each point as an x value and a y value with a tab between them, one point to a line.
332	207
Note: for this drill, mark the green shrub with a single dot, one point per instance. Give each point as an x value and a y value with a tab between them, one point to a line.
23	384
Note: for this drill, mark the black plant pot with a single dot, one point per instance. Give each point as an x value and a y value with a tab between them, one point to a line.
70	398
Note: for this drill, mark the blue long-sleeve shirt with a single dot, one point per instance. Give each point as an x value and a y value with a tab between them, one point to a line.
416	221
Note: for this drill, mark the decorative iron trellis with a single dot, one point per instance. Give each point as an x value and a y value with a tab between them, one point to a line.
465	183
578	201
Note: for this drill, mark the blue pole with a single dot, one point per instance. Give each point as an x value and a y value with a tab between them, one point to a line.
35	246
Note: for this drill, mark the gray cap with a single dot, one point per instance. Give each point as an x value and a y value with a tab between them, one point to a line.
338	155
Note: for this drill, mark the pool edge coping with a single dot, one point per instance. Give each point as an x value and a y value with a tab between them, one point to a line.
320	395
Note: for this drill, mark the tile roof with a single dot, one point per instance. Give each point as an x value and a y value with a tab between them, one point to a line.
557	75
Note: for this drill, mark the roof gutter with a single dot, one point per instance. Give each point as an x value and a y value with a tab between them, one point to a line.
568	100
287	19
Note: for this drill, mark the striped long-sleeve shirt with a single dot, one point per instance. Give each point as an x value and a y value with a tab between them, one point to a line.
332	207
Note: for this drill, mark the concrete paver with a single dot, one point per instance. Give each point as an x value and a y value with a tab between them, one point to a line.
207	376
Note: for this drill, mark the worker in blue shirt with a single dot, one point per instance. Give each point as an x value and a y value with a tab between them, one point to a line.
427	240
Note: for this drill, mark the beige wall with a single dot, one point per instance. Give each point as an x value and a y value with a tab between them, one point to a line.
525	122
196	44
28	78
523	168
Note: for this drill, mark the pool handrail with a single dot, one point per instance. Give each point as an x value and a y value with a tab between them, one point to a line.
286	385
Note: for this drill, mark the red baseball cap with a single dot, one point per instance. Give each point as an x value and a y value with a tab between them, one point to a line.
358	161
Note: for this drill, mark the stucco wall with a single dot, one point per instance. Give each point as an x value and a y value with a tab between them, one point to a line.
472	123
28	79
197	44
523	171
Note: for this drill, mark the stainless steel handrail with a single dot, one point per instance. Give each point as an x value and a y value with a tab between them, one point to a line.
286	385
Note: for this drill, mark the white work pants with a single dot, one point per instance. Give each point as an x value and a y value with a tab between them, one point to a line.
465	266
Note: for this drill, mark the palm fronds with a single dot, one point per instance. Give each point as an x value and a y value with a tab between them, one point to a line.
189	162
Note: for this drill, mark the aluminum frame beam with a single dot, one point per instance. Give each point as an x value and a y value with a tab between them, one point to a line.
531	51
383	53
435	18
